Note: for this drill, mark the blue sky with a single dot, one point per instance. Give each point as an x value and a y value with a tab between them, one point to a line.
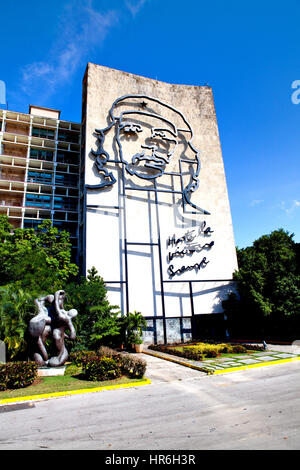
247	51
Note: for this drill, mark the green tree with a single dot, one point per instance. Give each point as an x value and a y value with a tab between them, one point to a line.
268	284
35	260
132	325
31	263
97	320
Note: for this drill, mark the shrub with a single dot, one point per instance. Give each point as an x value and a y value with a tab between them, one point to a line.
130	365
238	348
72	370
133	366
80	357
224	348
113	364
98	368
211	352
17	374
200	351
108	352
253	347
192	352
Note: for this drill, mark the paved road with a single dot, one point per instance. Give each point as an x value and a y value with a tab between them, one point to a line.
181	409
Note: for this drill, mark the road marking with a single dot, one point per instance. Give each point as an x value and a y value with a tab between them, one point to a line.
73	392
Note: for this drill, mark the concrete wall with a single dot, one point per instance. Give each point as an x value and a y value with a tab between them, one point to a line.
45	112
137	217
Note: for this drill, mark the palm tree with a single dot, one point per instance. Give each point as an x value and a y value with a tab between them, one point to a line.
16	308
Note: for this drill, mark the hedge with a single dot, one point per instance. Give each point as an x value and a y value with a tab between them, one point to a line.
106	363
200	351
17	374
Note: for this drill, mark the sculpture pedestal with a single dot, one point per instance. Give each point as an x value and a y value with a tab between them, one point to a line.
51	371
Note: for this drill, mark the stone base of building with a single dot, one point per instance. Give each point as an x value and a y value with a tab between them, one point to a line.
183	329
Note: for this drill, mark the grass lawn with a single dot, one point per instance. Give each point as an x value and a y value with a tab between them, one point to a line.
72	380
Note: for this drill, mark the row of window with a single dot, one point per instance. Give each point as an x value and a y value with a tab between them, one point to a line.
43	133
48	155
69	227
44	201
50	134
47	178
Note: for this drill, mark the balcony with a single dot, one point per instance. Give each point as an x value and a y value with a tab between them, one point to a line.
17	128
14	150
17	117
9	175
8	200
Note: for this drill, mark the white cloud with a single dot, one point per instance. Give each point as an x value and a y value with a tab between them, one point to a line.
289	210
82	28
134	6
255	202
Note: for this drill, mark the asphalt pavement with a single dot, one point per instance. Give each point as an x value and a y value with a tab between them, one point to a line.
182	408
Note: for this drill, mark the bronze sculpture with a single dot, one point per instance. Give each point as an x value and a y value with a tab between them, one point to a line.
54	320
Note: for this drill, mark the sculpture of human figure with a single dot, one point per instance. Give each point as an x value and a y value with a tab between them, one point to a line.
61	321
39	329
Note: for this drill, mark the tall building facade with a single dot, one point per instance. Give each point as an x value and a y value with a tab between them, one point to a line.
140	186
39	170
156	219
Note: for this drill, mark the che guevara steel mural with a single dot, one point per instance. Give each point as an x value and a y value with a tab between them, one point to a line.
156	146
145	124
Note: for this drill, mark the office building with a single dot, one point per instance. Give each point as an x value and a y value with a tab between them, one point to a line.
39	169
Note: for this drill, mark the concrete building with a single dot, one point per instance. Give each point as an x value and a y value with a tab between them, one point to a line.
140	185
156	219
39	169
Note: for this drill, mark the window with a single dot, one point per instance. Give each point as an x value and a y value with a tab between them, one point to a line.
64	203
66	157
66	179
38	200
68	137
39	177
29	223
68	226
43	133
40	154
72	216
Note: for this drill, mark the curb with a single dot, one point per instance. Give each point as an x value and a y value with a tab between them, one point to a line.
177	361
43	396
223	371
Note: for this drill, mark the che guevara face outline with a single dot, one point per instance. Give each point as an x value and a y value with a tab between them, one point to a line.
155	144
145	166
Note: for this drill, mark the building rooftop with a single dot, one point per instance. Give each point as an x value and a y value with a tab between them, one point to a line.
45	112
